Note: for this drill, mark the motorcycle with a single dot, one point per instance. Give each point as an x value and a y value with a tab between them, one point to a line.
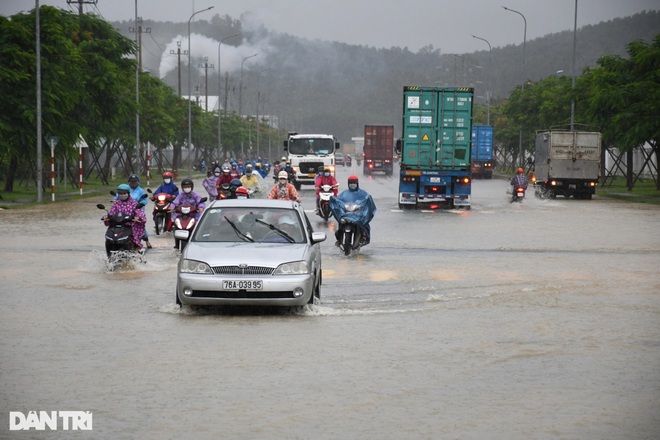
162	213
351	233
118	236
185	221
324	210
518	194
224	192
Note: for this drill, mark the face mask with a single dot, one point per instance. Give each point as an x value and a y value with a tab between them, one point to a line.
326	174
167	181
187	190
248	173
352	186
217	174
282	182
123	197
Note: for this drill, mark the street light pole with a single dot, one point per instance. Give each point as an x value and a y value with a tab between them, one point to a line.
220	88
520	147
190	95
490	73
240	88
573	69
240	98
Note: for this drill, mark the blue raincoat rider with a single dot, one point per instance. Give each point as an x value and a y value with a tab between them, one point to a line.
362	217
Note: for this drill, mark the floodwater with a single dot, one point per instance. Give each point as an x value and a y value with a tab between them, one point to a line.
533	320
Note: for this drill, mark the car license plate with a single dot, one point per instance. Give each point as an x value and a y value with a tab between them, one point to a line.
242	285
521	194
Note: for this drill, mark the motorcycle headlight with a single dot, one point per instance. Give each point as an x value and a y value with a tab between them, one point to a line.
292	268
193	266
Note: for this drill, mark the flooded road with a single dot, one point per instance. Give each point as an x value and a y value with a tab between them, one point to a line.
532	320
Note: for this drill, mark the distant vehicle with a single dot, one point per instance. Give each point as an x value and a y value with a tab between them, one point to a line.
567	163
378	149
482	159
308	153
435	147
250	252
339	158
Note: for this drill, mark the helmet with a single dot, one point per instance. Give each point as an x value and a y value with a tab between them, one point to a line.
319	169
257	165
226	168
187	182
242	191
283	159
235	183
167	175
327	169
134	178
123	188
520	170
248	167
353	179
282	175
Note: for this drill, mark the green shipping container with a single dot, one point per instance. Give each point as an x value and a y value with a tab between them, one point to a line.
437	128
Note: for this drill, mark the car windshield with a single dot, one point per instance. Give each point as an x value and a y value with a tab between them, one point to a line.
311	146
245	224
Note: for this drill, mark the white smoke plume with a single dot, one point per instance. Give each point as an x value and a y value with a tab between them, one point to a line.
202	46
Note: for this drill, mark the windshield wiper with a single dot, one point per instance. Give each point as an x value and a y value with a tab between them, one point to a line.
238	231
277	230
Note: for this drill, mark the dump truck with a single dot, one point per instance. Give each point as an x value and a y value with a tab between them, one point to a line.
378	149
567	163
435	147
308	153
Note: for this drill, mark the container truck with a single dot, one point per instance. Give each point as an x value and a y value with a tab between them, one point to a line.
309	152
567	163
435	147
378	149
482	160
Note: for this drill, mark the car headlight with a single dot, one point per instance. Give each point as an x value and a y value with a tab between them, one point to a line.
193	266
292	268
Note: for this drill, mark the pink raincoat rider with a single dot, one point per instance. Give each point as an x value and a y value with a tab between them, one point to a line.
130	206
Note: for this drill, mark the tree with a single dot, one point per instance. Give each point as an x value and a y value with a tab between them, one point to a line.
623	96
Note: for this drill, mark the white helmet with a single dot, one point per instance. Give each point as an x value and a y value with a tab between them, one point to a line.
283	175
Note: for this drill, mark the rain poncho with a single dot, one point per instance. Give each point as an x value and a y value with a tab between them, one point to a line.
193	199
130	207
363	216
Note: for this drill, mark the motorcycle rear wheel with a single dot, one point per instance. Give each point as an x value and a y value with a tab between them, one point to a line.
348	243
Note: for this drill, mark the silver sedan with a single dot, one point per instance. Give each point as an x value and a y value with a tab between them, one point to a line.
250	252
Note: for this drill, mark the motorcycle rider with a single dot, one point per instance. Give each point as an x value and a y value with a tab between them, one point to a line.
210	183
367	207
242	193
125	203
520	180
187	196
136	194
225	177
283	190
167	187
252	181
325	178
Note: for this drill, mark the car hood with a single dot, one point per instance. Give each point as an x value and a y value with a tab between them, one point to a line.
252	254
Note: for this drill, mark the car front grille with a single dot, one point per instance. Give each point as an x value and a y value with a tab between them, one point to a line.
310	167
237	270
241	294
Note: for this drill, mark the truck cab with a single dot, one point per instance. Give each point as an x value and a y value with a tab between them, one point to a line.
308	153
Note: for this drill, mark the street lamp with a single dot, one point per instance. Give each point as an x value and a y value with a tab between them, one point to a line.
520	147
240	87
524	43
240	96
490	66
258	98
220	88
189	95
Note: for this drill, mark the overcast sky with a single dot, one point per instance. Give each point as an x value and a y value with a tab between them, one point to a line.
446	24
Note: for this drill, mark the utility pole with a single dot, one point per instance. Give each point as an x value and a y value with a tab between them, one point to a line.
206	67
80	4
178	53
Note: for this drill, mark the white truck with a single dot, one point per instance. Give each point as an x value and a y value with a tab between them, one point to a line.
567	163
309	152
